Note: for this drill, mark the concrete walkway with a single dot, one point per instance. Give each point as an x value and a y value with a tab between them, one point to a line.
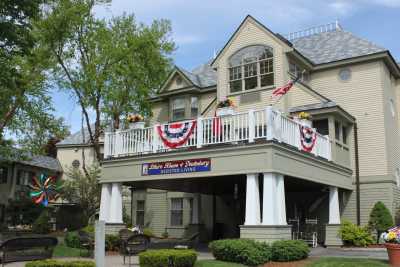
371	253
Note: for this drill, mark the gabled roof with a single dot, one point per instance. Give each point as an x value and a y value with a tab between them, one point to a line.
202	76
251	18
334	46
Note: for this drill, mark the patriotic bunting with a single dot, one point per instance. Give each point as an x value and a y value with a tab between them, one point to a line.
176	134
308	138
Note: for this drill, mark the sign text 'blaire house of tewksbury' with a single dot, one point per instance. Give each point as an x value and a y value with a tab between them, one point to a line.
177	166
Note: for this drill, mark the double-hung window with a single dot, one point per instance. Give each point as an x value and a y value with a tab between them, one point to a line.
178	109
3	175
140	210
251	68
176	212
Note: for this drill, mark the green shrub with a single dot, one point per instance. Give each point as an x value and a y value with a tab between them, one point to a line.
165	257
88	229
244	251
112	242
380	219
42	224
289	250
353	235
71	240
55	263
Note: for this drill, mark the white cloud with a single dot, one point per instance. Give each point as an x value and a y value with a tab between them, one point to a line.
187	39
342	8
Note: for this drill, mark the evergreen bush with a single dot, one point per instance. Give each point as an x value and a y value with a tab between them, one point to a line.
42	224
244	251
289	250
168	257
380	219
71	239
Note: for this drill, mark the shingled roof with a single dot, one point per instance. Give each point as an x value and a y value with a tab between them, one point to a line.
76	138
44	162
334	46
202	76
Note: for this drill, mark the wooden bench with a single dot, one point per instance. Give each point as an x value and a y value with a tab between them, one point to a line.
27	249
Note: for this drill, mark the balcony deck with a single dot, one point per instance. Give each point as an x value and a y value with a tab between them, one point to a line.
247	127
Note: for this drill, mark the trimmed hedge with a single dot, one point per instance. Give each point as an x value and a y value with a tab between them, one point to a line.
244	251
55	263
289	250
162	257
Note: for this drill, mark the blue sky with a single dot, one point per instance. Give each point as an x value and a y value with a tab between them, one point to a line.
202	27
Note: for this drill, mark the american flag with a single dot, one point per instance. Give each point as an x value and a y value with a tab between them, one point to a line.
281	91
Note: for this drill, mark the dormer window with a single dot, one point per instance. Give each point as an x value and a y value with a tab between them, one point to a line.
251	68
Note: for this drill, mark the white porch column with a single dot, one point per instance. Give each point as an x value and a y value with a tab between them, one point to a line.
195	211
116	204
274	204
280	198
105	202
334	212
252	200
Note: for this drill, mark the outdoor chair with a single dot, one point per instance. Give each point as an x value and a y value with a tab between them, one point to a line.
165	243
133	245
27	249
310	235
86	241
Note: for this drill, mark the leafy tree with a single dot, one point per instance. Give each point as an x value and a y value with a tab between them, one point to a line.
83	189
380	219
109	67
24	98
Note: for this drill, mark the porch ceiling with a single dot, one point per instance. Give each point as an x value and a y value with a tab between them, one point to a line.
234	160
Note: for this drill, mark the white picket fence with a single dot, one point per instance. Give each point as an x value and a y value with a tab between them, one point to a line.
249	126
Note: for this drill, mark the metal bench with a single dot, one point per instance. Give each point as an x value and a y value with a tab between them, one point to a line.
27	249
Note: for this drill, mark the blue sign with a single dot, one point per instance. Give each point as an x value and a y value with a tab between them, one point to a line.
177	166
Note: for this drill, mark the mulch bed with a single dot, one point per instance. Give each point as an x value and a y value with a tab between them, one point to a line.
301	263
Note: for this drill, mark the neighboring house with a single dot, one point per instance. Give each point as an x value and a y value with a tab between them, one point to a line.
249	174
16	175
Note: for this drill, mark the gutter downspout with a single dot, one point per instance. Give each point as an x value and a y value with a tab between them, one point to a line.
357	169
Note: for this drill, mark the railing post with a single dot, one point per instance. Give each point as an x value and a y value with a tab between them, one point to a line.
155	139
118	143
252	126
199	137
269	123
107	145
328	148
278	127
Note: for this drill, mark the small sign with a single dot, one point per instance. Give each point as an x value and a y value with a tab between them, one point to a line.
177	166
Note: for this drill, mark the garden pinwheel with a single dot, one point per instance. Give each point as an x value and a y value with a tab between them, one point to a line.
44	189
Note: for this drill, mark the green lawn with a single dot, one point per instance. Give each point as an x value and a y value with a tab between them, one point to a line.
214	263
64	251
346	262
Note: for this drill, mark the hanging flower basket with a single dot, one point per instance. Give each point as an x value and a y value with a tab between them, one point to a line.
225	108
304	119
392	239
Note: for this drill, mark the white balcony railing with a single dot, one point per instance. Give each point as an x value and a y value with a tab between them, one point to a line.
267	124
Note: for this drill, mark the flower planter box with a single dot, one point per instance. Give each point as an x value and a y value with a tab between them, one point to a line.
136	125
393	251
303	122
225	111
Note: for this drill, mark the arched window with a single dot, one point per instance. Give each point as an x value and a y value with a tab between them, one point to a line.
250	68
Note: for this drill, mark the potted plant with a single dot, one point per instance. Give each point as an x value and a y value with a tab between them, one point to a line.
225	107
135	121
392	244
304	118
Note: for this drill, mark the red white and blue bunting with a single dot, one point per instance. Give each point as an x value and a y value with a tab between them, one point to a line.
176	134
308	138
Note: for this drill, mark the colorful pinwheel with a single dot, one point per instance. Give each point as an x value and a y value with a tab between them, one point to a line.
44	189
